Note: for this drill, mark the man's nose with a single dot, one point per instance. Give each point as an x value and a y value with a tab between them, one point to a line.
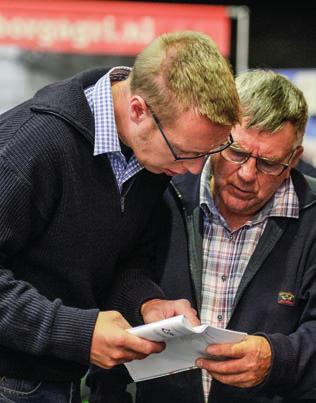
194	166
248	170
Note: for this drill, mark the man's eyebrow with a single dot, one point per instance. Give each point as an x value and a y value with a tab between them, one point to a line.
182	151
271	158
237	145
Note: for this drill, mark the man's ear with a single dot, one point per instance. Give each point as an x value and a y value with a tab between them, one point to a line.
297	156
138	109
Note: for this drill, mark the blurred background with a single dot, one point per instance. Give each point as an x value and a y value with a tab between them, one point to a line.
41	42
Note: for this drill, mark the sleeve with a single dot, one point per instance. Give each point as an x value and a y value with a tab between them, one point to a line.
293	369
29	322
292	373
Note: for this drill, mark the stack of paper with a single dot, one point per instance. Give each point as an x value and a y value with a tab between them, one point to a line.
184	344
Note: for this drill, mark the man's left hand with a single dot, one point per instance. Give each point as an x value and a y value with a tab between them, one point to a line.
247	363
159	309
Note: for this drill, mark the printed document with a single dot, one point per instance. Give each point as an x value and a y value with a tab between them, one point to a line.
184	344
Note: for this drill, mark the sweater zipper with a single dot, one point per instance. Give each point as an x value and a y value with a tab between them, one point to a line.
122	204
124	194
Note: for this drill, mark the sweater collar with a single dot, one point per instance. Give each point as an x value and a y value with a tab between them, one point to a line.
67	100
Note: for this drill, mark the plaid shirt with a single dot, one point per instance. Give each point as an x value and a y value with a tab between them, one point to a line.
99	97
226	253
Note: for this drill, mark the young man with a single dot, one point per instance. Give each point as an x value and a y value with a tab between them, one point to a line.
78	187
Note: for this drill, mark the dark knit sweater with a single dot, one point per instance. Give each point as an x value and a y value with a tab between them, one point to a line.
66	247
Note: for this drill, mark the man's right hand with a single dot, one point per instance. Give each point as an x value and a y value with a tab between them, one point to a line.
112	344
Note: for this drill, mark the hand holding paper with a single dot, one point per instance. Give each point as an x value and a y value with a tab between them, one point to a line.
112	344
159	309
247	364
184	344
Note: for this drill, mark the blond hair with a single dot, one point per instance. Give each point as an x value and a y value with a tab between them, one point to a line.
183	70
269	100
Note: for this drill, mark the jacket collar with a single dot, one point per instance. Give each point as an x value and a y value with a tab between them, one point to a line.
67	100
305	187
188	189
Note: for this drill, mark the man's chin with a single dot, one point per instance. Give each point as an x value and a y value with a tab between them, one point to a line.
242	207
158	170
152	169
169	172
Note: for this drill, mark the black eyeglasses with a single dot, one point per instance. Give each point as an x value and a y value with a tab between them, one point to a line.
264	165
202	155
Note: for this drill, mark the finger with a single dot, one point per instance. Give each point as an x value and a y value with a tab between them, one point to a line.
230	350
154	315
239	380
183	307
139	345
153	310
191	316
231	367
140	356
122	356
118	357
120	351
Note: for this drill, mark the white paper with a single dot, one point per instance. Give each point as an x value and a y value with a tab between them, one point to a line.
184	344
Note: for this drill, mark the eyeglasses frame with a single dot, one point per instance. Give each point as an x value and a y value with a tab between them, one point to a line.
174	154
285	166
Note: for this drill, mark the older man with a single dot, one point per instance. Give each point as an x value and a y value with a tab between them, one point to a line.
250	260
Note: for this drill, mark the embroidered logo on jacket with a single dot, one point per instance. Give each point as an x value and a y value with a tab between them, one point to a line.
286	298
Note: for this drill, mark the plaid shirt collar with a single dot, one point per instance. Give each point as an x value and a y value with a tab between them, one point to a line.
101	102
284	203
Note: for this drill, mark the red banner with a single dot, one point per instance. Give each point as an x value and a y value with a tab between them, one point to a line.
121	28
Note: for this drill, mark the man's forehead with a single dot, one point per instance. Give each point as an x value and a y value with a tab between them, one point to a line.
265	145
272	154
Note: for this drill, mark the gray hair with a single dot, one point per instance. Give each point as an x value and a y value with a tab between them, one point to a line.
269	100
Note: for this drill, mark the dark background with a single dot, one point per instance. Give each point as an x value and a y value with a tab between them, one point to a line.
281	34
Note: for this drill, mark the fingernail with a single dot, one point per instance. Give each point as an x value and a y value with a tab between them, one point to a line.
199	363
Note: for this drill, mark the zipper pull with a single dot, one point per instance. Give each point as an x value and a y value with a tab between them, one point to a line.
122	204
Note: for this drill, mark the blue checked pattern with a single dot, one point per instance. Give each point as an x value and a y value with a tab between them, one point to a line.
99	97
226	254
